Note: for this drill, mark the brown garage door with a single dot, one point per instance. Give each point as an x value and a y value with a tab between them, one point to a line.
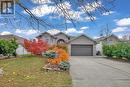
81	50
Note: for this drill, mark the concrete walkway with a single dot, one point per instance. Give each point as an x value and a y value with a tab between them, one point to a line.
99	72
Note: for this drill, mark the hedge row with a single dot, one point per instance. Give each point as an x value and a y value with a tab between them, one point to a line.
119	50
8	47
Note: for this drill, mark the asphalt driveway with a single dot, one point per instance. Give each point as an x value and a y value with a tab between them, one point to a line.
99	72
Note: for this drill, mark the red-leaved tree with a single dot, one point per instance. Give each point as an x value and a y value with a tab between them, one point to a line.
36	46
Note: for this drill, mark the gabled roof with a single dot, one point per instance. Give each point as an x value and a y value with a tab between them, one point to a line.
54	36
84	36
10	36
105	37
45	33
62	33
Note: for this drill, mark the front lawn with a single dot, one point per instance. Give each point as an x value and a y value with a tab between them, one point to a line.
27	72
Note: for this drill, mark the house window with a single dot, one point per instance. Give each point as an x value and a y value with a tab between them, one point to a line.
7	7
60	41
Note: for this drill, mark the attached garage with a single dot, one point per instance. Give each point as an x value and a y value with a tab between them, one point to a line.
81	50
82	46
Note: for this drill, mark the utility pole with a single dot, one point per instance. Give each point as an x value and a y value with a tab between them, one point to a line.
105	31
108	32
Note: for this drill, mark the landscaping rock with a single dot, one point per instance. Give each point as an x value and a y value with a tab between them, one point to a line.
51	67
1	72
1	55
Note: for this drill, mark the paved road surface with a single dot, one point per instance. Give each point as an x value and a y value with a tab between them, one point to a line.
99	72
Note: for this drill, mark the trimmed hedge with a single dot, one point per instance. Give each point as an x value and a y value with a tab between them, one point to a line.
119	50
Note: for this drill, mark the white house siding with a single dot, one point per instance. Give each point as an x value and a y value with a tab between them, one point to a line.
21	50
110	40
84	41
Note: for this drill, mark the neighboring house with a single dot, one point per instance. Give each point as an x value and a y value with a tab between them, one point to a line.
125	41
20	40
21	50
11	36
126	37
78	46
111	39
82	46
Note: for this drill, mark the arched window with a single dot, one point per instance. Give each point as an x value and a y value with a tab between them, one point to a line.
60	41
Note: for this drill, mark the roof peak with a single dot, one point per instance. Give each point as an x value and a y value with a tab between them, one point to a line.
84	36
12	35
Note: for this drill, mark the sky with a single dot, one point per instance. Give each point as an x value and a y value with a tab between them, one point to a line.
117	19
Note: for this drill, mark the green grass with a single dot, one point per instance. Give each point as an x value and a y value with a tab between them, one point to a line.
27	72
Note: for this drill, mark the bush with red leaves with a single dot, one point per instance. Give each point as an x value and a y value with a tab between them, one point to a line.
36	46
